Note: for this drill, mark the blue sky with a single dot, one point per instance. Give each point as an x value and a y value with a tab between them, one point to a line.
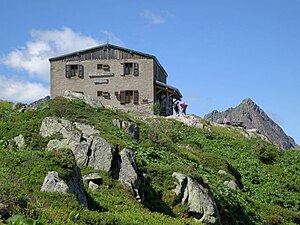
216	52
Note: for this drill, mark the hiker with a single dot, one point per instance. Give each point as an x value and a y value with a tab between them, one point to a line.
226	121
183	108
176	108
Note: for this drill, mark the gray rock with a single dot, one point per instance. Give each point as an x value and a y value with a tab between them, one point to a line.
53	183
130	128
36	103
102	154
20	141
231	184
87	99
253	117
133	130
129	176
93	180
52	126
86	129
202	207
19	105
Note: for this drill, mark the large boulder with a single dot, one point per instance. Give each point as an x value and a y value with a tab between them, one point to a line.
52	126
102	154
129	175
93	151
202	206
53	183
95	103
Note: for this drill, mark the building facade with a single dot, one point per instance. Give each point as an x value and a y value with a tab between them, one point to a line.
119	77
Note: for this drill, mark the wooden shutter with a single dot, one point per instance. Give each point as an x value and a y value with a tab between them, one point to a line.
135	69
81	71
135	97
68	71
122	97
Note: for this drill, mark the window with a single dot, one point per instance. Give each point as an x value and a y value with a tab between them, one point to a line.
105	67
99	93
104	94
127	97
131	68
74	70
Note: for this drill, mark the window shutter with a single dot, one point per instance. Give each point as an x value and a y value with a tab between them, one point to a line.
68	71
81	71
135	69
122	97
136	97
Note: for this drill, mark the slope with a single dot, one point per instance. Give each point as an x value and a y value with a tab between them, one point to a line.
253	117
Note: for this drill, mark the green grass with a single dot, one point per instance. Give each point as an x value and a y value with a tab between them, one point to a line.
268	176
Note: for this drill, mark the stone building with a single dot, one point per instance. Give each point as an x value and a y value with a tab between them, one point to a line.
120	77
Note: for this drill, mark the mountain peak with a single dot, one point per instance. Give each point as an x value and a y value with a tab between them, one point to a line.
253	116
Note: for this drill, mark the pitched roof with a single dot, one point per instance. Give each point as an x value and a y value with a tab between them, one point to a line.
107	46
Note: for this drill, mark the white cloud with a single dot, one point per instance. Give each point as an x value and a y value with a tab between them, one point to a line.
44	44
21	91
153	17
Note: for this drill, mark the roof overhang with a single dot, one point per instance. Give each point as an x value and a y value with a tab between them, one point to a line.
170	89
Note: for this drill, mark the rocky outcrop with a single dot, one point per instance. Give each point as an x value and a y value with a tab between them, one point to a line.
130	128
93	180
89	150
129	175
95	103
53	183
201	205
189	120
253	117
94	151
35	104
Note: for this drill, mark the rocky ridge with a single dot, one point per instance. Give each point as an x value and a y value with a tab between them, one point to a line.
253	117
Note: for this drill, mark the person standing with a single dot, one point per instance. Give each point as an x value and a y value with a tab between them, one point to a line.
176	108
183	108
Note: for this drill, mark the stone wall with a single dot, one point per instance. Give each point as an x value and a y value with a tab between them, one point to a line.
113	82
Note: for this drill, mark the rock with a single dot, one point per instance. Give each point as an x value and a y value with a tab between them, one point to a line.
87	99
202	206
133	130
52	126
89	150
130	128
253	117
93	180
19	105
222	172
20	141
36	103
87	129
189	120
231	184
102	154
4	212
129	176
53	183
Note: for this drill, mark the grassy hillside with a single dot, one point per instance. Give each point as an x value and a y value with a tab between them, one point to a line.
268	176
